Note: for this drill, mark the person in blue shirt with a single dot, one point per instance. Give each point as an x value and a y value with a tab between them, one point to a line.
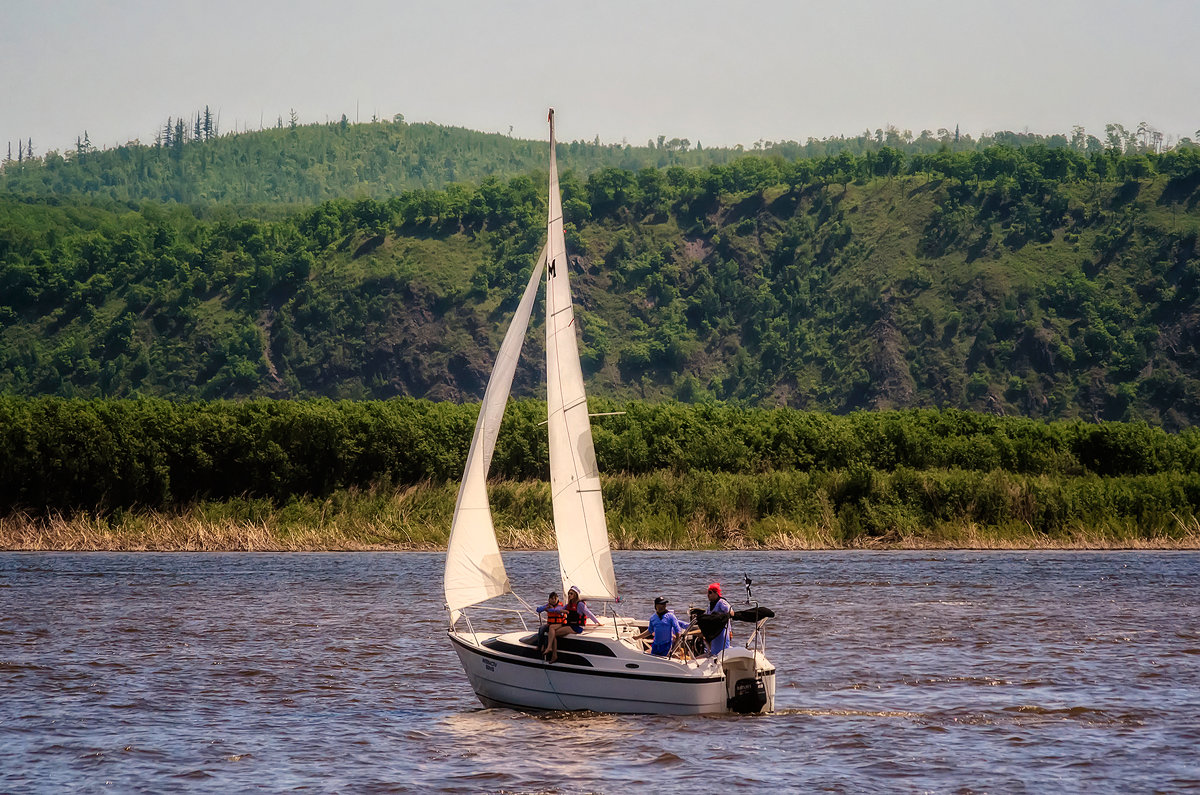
718	606
664	628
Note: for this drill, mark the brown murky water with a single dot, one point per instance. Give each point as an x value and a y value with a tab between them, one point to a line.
944	672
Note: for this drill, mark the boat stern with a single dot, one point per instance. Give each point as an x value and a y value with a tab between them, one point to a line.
749	681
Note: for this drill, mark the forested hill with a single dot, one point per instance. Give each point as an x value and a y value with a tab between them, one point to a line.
190	162
1036	281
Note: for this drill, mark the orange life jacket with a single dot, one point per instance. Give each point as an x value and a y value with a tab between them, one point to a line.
556	615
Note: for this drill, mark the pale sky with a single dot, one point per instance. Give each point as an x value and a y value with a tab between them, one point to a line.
719	72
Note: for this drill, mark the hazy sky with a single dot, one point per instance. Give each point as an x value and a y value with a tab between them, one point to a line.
719	72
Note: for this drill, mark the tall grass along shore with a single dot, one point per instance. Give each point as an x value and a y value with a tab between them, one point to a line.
321	474
786	511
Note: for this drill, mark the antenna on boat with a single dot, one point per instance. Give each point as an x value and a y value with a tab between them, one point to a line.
749	593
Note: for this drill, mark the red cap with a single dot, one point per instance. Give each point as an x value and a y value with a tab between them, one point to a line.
716	586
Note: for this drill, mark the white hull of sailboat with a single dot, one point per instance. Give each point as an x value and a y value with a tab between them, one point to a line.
504	673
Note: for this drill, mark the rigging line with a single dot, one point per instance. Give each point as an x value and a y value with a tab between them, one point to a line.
522	601
594	557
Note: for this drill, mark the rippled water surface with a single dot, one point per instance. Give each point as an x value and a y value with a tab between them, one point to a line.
945	672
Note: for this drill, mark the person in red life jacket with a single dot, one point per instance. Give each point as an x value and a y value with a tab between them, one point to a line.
576	615
577	611
556	616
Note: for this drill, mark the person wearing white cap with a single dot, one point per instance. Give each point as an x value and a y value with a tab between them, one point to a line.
577	614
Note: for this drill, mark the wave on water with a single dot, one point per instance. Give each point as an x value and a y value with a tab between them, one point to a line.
194	774
1057	680
1011	716
1088	715
846	713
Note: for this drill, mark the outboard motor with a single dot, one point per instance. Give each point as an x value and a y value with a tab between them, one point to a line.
747	692
749	696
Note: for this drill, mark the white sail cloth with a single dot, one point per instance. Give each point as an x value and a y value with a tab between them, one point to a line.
584	557
474	570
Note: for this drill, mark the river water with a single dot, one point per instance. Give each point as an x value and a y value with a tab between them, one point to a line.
898	671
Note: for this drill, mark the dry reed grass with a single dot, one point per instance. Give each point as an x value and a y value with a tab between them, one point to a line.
417	518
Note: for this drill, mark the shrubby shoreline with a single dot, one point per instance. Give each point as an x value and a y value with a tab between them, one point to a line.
309	475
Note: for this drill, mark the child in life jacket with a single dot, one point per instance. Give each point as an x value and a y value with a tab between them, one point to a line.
575	615
556	616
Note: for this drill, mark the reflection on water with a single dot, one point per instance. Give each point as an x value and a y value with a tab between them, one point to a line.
948	672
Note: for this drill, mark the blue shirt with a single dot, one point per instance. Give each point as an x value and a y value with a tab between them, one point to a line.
665	628
721	641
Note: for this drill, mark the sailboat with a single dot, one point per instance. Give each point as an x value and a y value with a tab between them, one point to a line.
604	668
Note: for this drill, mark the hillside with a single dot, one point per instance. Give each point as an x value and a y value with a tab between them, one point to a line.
191	162
305	164
1034	281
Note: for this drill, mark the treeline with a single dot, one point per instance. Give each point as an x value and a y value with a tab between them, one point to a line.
102	455
1037	281
307	163
192	161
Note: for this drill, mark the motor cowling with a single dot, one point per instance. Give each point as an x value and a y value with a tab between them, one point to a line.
749	696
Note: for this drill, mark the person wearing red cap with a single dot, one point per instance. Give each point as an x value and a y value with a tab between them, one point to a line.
718	606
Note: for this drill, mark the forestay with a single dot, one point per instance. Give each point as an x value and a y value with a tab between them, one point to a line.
474	569
584	558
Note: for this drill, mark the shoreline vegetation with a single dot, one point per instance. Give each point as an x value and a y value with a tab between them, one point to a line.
340	475
418	519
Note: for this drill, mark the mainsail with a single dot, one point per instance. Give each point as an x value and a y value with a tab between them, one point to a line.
584	558
474	569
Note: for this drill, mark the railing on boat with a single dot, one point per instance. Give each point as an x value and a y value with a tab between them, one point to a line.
471	627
